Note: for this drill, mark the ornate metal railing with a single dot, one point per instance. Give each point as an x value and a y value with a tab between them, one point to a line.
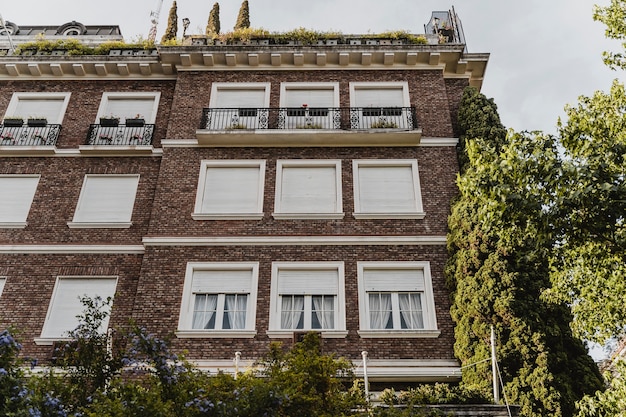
120	135
29	135
322	118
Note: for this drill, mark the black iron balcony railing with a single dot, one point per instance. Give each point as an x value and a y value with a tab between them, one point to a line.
29	135
121	135
333	118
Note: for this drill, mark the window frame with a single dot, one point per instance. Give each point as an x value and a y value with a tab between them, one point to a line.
3	283
49	340
108	96
74	224
274	327
382	163
185	318
281	164
21	224
429	312
233	215
17	96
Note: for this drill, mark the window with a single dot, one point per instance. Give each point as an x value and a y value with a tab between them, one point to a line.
65	304
50	106
219	300
387	189
307	296
130	105
17	193
396	298
238	105
379	104
106	201
2	282
308	189
308	104
230	189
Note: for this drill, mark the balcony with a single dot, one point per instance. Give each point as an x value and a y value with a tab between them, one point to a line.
309	126
118	139
29	140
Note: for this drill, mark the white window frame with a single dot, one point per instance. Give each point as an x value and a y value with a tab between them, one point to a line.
17	96
430	329
110	96
216	87
103	224
387	85
48	339
275	330
20	224
3	281
294	121
313	163
187	304
382	163
257	214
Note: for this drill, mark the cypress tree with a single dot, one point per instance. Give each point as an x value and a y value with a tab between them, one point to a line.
500	242
172	25
213	26
243	18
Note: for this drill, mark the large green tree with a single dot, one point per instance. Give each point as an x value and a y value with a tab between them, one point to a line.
614	17
243	18
172	25
500	243
213	25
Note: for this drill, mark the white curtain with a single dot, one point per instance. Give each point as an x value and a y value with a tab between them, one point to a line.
411	311
235	311
324	309
204	310
380	310
292	311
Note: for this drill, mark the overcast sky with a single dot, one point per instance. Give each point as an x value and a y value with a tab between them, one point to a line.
544	53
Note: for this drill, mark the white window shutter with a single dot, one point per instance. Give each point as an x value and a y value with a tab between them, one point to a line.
128	108
312	97
16	196
393	280
379	97
107	198
48	108
2	282
222	281
235	98
388	189
308	189
308	281
65	304
231	190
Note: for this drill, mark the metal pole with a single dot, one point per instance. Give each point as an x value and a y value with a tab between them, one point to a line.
365	380
494	367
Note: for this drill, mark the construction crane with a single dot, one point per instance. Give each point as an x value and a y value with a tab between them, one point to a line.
154	19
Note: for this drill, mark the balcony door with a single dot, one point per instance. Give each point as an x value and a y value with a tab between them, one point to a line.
239	106
379	105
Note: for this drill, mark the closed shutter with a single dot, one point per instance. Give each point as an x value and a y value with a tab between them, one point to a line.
2	281
107	198
16	197
387	189
379	97
393	280
323	98
308	190
231	190
222	281
66	305
37	107
228	98
308	281
128	108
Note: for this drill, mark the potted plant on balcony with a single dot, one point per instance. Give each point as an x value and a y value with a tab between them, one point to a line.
37	121
13	121
137	121
109	121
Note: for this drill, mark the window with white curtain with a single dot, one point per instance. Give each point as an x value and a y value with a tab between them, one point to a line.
230	189
16	196
106	201
50	106
308	189
307	296
387	189
396	297
130	105
219	299
65	304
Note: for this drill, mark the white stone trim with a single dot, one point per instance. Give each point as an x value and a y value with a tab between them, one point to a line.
295	240
429	141
72	249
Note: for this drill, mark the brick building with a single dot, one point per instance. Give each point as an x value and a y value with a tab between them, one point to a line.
233	195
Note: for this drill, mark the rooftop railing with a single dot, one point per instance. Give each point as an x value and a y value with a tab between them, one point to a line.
321	118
